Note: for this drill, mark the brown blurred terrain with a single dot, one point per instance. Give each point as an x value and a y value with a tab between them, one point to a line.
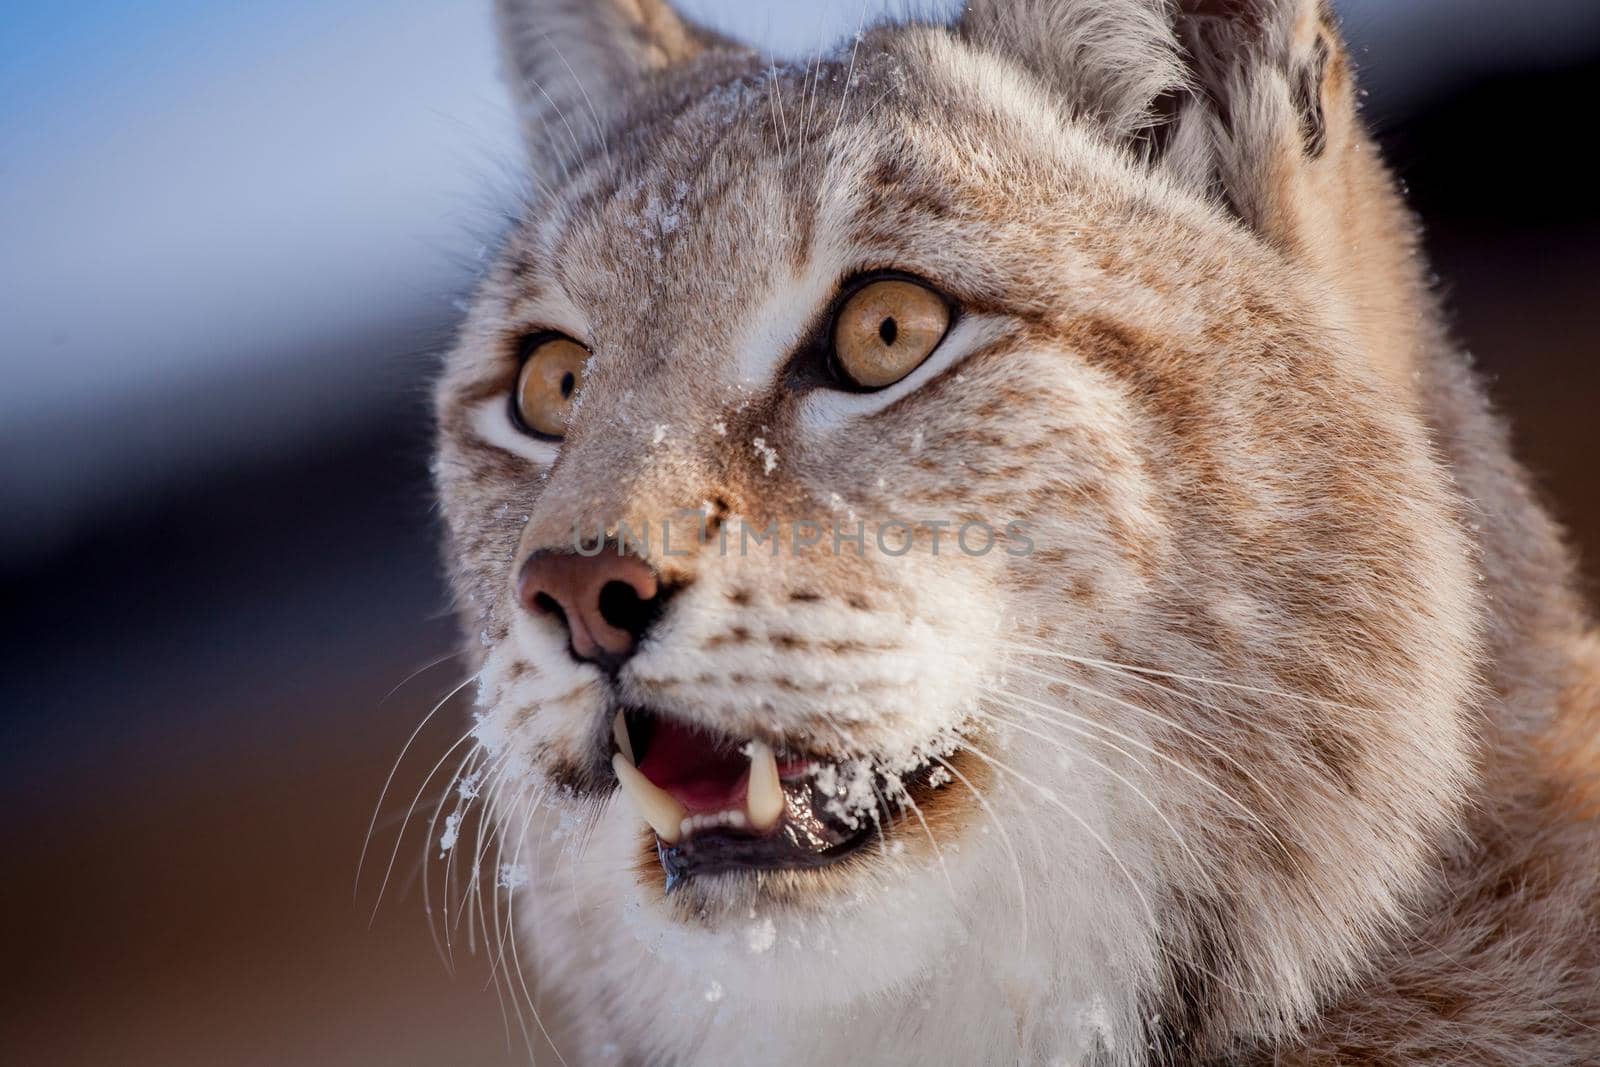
181	861
198	726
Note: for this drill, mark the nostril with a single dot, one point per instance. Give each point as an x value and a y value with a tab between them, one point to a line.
604	603
549	605
622	607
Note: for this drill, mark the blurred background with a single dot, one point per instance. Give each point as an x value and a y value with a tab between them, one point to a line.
233	240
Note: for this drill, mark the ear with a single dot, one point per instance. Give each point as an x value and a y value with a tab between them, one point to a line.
572	64
1270	122
1108	61
1227	95
1268	116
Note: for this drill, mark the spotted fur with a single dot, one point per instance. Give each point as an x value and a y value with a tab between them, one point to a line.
1274	746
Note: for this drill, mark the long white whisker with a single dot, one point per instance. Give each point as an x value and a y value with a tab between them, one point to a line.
486	780
462	770
410	810
937	851
497	836
1051	798
1124	673
389	781
594	116
500	968
1080	754
516	957
425	668
468	790
1197	679
1170	723
1005	839
849	78
484	834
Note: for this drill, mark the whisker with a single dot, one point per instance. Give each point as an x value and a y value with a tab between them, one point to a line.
594	116
465	805
1213	747
1118	671
488	780
1080	754
849	78
516	957
425	668
471	758
1197	679
496	834
938	853
1005	839
389	781
484	834
1049	796
499	969
415	800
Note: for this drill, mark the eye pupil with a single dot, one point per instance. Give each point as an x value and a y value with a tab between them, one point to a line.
885	329
550	377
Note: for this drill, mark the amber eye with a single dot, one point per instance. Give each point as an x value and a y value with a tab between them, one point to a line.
551	376
886	329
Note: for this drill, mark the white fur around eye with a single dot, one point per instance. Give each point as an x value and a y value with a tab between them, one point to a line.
826	409
491	421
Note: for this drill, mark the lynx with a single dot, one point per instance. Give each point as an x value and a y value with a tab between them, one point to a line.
979	548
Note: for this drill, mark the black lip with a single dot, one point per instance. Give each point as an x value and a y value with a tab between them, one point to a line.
809	836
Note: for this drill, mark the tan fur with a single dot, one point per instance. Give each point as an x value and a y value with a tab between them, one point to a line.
1337	801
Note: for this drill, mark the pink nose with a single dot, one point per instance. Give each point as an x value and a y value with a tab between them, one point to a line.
606	601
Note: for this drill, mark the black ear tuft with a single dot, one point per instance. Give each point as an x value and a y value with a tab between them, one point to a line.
1267	99
1231	45
1307	86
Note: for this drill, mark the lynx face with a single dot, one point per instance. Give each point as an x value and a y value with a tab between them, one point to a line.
1179	735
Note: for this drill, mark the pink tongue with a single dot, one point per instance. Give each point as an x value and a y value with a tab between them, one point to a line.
699	776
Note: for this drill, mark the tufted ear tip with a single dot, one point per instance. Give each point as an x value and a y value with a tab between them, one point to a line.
1234	46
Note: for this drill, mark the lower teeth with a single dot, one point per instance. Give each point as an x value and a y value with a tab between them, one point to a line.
711	820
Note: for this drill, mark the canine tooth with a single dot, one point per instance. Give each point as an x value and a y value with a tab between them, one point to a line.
655	805
619	732
763	802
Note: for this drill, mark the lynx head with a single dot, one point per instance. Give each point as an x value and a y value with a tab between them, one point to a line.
970	488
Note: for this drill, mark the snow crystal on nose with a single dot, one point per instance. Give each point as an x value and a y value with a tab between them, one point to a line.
769	455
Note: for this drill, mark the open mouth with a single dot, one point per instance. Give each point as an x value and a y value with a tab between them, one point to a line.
719	804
